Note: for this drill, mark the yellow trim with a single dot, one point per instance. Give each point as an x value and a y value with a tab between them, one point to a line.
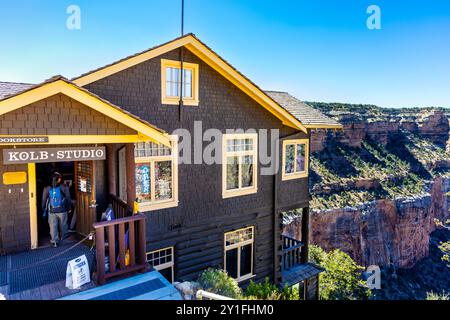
296	175
60	86
11	178
162	204
81	139
324	126
240	191
33	205
213	60
193	101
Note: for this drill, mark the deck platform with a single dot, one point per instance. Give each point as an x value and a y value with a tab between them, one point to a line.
300	272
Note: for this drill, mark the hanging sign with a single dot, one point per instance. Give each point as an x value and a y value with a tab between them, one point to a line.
23	140
77	273
39	155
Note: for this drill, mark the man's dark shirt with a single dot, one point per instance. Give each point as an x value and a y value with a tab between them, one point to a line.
66	201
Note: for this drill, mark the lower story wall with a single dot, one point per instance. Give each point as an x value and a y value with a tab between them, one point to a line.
201	245
14	212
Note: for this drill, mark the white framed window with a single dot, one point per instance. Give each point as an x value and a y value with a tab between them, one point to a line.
171	77
156	175
239	164
163	260
238	256
295	159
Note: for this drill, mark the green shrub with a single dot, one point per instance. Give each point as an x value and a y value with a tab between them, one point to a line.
437	296
342	279
269	291
219	282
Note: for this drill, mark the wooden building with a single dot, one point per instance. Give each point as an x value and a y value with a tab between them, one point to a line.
111	132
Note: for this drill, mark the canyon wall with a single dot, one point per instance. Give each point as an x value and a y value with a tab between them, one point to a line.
433	125
386	231
382	232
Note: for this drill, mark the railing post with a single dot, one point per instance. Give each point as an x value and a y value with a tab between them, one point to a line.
305	235
100	251
142	242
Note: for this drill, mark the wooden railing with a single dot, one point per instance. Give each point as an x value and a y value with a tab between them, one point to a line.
120	208
200	295
124	250
291	254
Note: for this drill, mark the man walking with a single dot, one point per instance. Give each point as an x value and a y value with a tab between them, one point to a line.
56	202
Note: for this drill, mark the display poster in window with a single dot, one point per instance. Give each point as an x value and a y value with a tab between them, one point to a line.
143	180
83	185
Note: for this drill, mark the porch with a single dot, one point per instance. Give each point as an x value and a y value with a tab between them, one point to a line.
295	269
116	251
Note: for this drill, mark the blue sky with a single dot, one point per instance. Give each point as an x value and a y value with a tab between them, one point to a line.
317	50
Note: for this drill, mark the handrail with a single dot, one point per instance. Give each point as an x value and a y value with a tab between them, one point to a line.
121	209
291	252
212	296
120	247
102	224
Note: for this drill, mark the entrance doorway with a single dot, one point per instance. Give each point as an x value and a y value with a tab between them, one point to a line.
43	179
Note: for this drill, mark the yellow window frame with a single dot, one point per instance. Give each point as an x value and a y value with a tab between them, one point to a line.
188	101
240	154
167	203
238	246
166	265
295	174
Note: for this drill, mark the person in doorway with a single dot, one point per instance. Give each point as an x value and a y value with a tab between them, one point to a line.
56	202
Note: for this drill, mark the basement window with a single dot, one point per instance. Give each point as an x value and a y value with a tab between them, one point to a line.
239	164
172	86
295	159
238	260
156	176
163	261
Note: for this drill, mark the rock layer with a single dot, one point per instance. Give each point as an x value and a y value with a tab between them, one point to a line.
383	232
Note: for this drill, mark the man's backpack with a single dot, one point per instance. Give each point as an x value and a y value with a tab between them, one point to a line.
56	199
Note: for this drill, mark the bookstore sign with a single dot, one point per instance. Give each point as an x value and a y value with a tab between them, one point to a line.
22	140
41	155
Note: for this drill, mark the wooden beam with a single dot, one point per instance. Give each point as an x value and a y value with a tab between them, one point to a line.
305	235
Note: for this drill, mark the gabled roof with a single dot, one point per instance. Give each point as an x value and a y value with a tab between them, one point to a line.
10	88
205	53
310	117
59	84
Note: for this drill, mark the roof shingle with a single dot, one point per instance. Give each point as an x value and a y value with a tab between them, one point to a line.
10	88
307	115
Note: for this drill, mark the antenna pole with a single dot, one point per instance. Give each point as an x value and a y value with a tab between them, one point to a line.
182	17
180	107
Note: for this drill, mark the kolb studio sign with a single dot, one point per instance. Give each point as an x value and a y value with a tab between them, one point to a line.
40	155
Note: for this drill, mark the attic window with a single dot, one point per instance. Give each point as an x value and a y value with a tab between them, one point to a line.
295	159
172	86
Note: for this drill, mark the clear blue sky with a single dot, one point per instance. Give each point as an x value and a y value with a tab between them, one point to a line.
317	50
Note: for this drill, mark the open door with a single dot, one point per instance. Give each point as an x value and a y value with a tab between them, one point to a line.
85	196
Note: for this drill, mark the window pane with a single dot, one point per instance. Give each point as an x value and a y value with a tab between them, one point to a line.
248	144
238	236
231	145
232	173
187	76
143	192
246	260
247	171
301	151
231	262
289	155
163	180
187	93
